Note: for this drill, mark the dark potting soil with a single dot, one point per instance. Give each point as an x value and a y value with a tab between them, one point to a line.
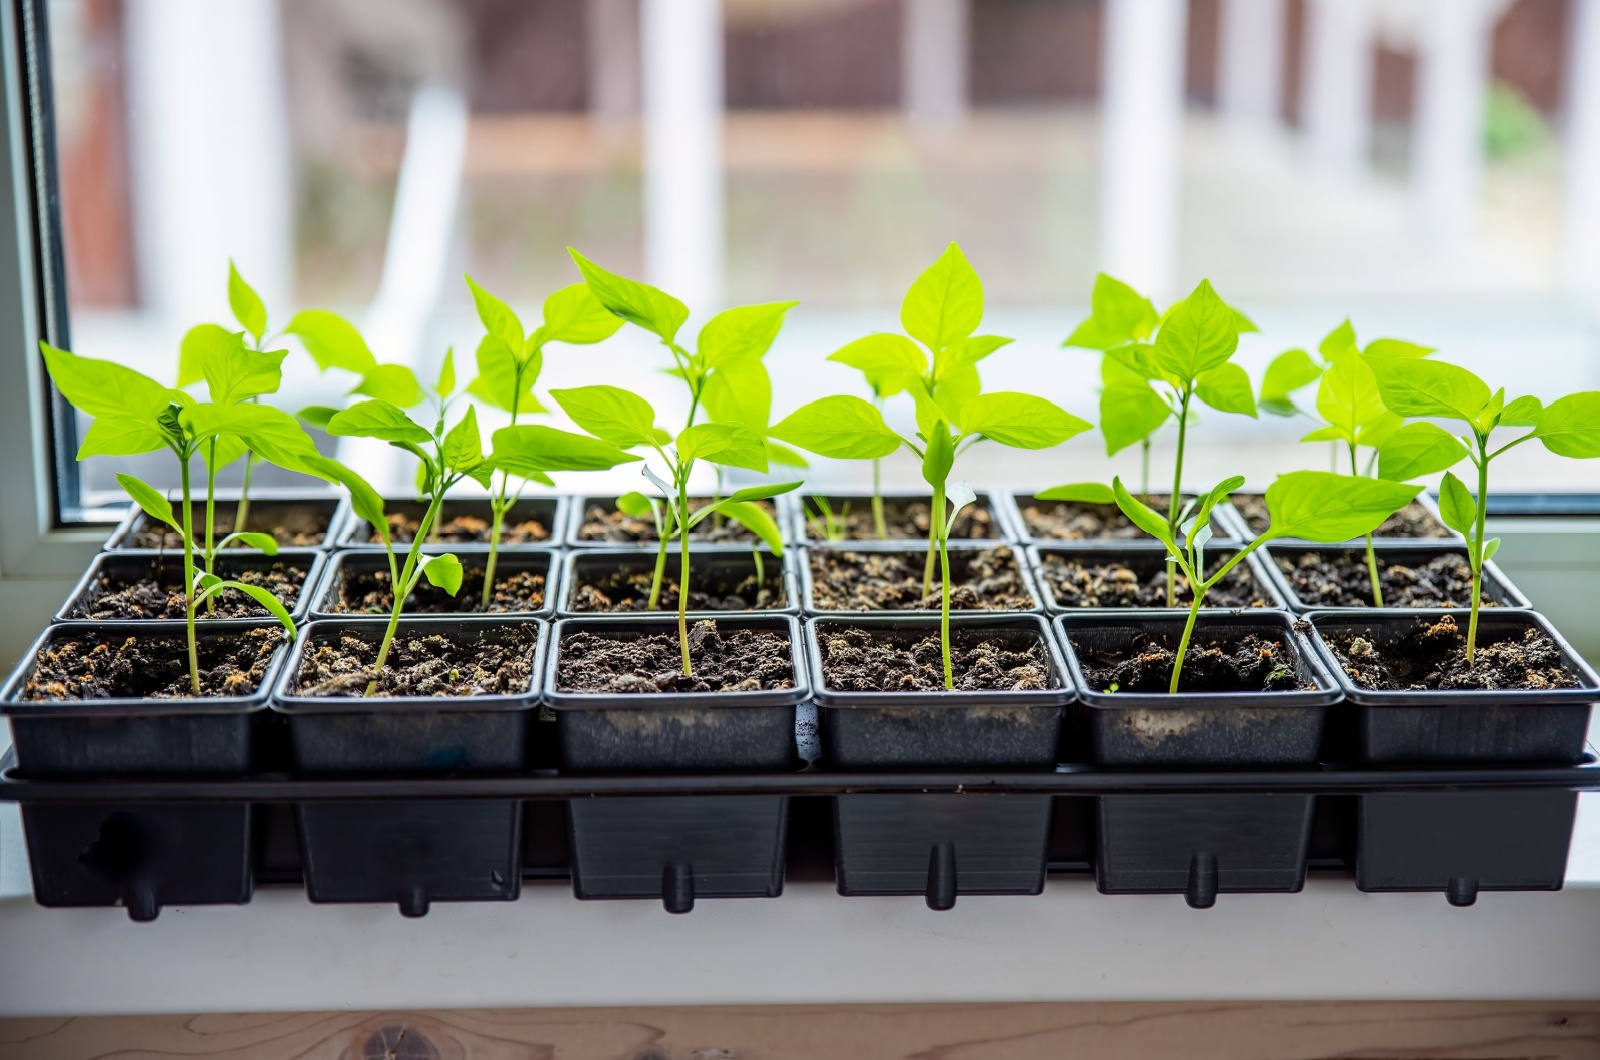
1245	664
1073	521
856	660
607	524
724	660
905	520
1087	582
462	529
1329	579
363	593
423	664
117	598
626	588
1434	657
1413	520
106	665
981	580
291	525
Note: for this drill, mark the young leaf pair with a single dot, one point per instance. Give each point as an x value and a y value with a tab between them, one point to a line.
1313	505
726	376
941	311
1569	426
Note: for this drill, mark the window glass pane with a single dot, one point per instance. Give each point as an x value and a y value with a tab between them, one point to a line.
1432	171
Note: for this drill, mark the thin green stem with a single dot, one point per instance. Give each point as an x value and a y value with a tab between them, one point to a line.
401	587
1174	503
880	525
1372	555
1476	547
497	511
188	573
242	511
211	515
683	579
1144	469
944	589
663	535
1188	634
933	545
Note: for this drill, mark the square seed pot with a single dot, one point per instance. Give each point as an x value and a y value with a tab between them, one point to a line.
1144	563
359	562
1124	533
677	731
1464	842
699	537
990	525
962	555
1497	588
907	730
1199	728
411	852
138	736
131	565
1509	725
720	569
315	517
549	512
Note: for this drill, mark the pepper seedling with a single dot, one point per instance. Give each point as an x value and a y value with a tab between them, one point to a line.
1313	505
1569	426
133	414
1354	415
725	375
509	362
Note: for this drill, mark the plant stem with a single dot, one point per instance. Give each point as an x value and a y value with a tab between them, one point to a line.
944	591
211	504
188	574
1372	556
1476	547
761	569
401	588
879	525
683	579
497	510
935	510
242	511
1144	470
1183	645
1175	501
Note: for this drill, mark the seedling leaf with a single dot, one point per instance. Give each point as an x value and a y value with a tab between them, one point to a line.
1570	426
1199	334
740	332
1142	515
1421	387
728	444
247	307
841	426
442	571
1456	506
1019	420
1226	388
1322	506
1418	449
945	303
150	499
610	413
1080	493
377	419
638	303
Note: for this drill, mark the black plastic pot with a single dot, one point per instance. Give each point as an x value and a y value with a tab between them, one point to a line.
578	508
1004	729
1199	728
1229	513
411	852
131	565
676	730
1017	503
267	507
1145	563
1464	842
550	511
960	554
717	567
798	505
676	849
1497	588
1510	725
114	737
543	561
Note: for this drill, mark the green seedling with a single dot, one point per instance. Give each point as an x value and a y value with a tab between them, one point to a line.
1156	364
1354	416
1313	505
941	311
1568	426
133	414
829	525
509	362
725	376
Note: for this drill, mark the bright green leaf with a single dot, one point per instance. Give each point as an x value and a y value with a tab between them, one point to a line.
446	384
636	505
1019	420
610	413
1456	506
365	501
886	360
463	444
1395	348
1079	493
783	456
1288	372
233	372
527	449
739	392
1340	340
727	444
223	450
1378	431
975	348
1522	412
842	426
247	307
1570	426
1348	397
261	595
1130	413
505	382
394	383
1421	387
1418	449
573	314
250	539
1117	314
120	436
756	519
638	303
150	500
104	388
1226	388
1198	334
740	332
196	341
1142	515
1322	506
939	456
443	572
945	303
317	415
332	341
497	317
377	419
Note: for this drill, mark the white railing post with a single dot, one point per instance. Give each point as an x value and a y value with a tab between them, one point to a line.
683	108
1141	131
1453	44
1250	63
1336	96
933	68
1581	142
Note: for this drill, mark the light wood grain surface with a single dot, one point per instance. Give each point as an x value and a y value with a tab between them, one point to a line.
1080	1031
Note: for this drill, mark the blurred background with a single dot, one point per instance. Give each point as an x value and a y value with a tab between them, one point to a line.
1430	168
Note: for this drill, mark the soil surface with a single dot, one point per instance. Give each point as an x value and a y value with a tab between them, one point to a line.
106	665
1085	581
363	593
1433	656
156	597
1411	521
732	660
1240	664
1340	579
626	587
905	520
462	529
981	580
604	523
493	662
292	525
857	660
1072	521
